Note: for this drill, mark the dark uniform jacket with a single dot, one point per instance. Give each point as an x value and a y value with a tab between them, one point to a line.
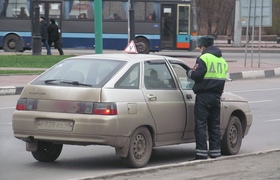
209	72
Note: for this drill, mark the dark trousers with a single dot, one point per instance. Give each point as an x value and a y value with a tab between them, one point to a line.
57	45
45	42
207	117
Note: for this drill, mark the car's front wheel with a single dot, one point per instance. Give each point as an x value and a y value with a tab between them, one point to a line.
232	138
47	151
140	148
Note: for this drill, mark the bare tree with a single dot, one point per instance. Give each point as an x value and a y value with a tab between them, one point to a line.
216	16
225	17
206	18
275	29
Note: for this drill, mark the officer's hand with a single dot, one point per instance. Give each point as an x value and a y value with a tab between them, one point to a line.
188	68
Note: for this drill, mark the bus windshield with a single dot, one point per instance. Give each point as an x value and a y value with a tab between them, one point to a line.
159	24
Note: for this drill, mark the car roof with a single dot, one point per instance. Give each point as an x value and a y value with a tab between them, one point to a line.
124	57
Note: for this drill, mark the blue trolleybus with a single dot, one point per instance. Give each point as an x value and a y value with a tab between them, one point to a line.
159	24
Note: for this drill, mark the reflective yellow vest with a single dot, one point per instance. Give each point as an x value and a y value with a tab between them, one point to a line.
217	67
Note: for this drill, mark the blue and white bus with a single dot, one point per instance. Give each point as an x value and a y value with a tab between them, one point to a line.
159	24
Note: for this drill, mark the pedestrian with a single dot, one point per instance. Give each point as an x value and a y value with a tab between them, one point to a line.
209	75
53	32
44	34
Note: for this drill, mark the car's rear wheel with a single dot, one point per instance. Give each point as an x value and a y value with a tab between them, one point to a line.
232	138
47	151
140	148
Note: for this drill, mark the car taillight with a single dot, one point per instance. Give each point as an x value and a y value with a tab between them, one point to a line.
106	108
85	107
26	104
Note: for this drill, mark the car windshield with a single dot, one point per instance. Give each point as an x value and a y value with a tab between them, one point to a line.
80	73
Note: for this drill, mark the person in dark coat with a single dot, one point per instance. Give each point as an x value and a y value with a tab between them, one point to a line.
44	34
53	32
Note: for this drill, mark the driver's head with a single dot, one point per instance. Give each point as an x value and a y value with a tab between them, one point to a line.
153	73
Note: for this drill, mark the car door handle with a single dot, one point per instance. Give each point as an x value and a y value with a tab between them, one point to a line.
151	97
188	96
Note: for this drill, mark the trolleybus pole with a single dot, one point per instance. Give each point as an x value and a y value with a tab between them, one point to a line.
36	38
131	21
98	26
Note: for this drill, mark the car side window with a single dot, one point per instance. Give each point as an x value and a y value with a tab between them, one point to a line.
157	76
185	82
130	80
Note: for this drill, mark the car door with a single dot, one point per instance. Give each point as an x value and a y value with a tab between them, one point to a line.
165	102
186	85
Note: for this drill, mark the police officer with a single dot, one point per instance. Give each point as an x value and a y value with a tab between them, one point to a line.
209	74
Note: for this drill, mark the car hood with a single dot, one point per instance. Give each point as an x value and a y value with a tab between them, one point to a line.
230	97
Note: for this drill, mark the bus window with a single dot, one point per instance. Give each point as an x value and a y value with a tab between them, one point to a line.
146	11
78	9
184	19
113	10
14	9
54	11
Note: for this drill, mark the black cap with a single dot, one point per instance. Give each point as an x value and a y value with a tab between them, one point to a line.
205	41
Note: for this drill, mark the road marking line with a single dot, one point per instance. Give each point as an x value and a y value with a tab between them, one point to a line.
272	120
254	90
7	108
263	101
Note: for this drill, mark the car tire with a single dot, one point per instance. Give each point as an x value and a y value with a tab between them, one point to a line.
140	148
143	45
232	138
47	151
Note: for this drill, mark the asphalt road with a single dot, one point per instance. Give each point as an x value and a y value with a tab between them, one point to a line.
100	162
78	162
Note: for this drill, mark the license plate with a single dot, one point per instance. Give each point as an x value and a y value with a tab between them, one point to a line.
54	125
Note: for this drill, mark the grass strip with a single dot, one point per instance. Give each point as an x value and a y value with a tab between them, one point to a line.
30	61
20	72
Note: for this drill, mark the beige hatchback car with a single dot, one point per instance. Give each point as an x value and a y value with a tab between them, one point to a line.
132	102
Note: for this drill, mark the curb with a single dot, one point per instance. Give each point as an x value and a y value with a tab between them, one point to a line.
10	90
255	74
171	166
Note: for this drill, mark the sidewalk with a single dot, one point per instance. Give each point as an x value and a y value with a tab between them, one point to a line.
256	166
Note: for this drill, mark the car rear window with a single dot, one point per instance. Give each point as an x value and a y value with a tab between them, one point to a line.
80	72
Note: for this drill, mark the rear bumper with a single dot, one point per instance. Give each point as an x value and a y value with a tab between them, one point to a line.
87	129
71	138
